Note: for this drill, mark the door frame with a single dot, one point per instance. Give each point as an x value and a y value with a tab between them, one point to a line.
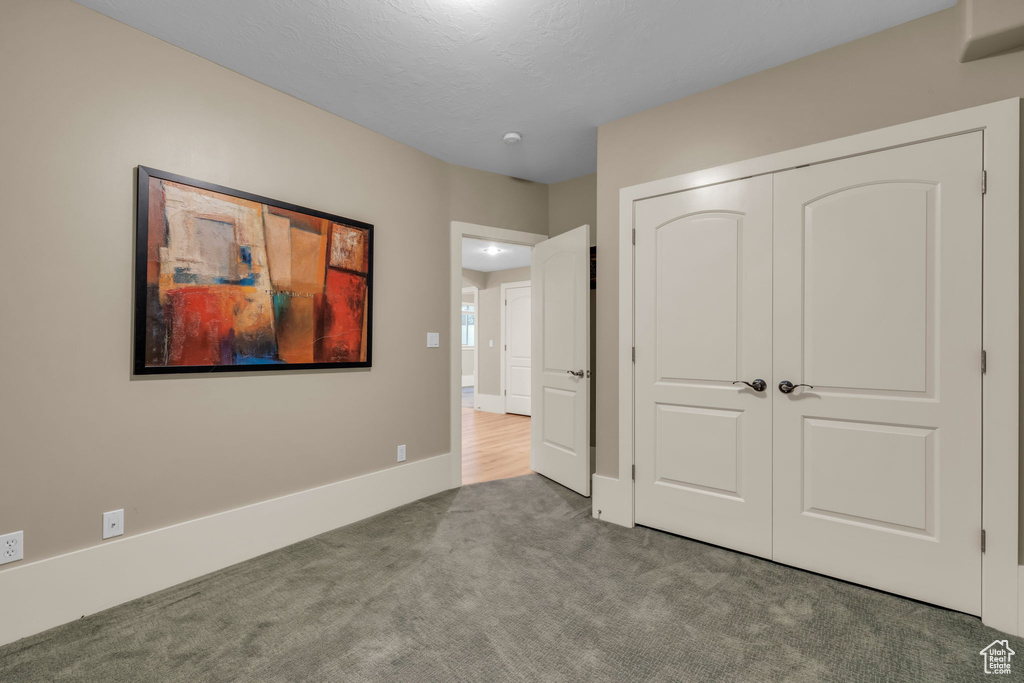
1002	577
503	352
458	230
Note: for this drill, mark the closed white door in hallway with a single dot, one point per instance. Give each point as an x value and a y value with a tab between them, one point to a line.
516	352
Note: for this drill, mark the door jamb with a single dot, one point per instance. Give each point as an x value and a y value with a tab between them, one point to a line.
458	230
503	351
1002	577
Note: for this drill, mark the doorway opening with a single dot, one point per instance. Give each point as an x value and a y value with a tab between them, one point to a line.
494	333
543	378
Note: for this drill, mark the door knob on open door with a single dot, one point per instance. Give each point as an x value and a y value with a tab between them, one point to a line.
787	387
577	373
756	385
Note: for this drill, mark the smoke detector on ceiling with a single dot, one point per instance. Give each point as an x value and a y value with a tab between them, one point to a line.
512	138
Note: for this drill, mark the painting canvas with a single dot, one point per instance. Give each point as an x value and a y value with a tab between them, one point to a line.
227	280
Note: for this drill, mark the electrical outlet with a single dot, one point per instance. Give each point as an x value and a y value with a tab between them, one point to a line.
113	523
401	453
12	547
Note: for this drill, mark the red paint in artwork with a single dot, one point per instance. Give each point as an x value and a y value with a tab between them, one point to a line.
201	320
344	304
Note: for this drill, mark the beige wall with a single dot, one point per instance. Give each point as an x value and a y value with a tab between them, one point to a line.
86	100
902	74
474	278
572	203
489	328
988	27
498	201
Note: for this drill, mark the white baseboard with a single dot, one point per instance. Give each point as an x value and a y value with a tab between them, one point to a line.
490	403
468	380
611	501
54	591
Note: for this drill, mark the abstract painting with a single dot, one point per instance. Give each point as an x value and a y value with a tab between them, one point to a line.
231	281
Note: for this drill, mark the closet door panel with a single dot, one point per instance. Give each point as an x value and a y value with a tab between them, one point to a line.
703	322
877	306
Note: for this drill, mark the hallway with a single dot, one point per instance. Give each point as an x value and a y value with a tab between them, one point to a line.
494	446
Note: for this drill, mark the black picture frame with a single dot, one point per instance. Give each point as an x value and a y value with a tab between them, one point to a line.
139	366
593	267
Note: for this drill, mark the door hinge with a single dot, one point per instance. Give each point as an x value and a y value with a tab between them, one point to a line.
984	182
984	540
634	235
634	354
634	475
984	361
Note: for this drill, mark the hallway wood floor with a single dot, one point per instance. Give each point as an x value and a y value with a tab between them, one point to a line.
494	446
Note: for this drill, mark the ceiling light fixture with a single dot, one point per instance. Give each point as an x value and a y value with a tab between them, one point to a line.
512	138
493	251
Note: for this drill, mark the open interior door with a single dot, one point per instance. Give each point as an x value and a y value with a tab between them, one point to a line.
560	428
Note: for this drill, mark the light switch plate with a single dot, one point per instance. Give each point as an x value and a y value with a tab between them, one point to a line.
433	339
113	523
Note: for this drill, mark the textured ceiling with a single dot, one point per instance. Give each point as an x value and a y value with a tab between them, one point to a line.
511	255
450	77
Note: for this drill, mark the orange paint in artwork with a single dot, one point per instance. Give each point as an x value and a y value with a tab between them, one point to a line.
296	331
157	233
277	232
309	255
303	221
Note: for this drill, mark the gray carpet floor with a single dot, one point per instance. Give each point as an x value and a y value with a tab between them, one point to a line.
508	580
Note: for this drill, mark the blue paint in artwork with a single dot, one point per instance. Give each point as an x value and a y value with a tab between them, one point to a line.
183	277
247	281
249	360
281	304
246	254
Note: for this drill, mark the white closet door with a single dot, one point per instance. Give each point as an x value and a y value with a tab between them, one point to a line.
703	322
878	306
